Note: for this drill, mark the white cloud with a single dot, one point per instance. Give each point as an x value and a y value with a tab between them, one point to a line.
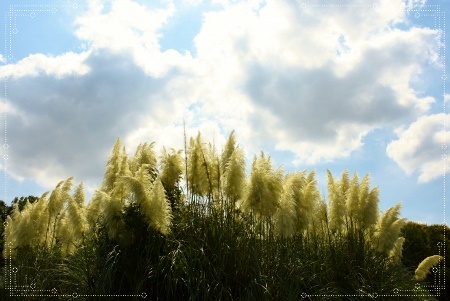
308	79
415	4
123	25
421	147
39	64
66	126
305	80
5	107
447	97
192	2
129	27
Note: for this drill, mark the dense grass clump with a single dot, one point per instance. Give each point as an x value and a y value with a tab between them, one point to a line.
268	236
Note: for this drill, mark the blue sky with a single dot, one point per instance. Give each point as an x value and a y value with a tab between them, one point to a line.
360	86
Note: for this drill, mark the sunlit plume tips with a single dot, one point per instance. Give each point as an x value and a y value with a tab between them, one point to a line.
151	199
234	175
396	253
172	168
425	266
264	189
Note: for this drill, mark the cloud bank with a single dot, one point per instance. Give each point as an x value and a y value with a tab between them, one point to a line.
302	78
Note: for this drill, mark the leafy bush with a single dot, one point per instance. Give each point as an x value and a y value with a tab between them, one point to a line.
421	242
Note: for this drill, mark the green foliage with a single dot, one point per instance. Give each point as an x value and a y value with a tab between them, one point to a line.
422	241
22	201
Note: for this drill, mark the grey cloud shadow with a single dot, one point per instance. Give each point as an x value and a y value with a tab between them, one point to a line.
315	104
73	121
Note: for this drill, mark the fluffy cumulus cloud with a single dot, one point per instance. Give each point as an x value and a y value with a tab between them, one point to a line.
70	123
313	82
126	26
303	78
422	147
65	112
66	64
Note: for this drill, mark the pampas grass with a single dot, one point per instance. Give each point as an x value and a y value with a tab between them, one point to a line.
157	209
336	197
144	154
388	229
197	169
396	253
270	236
112	167
234	177
151	199
425	266
264	188
171	168
352	201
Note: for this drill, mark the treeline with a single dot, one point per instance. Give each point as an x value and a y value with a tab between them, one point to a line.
422	241
228	235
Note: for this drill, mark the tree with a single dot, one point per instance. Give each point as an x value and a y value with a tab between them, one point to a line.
22	201
4	212
423	241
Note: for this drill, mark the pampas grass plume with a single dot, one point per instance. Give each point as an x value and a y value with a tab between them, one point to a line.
336	195
352	200
388	229
112	167
145	154
158	210
285	216
396	253
172	168
264	189
94	207
370	213
424	267
234	176
152	200
55	202
112	210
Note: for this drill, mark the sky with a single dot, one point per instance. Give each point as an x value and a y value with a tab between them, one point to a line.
357	85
